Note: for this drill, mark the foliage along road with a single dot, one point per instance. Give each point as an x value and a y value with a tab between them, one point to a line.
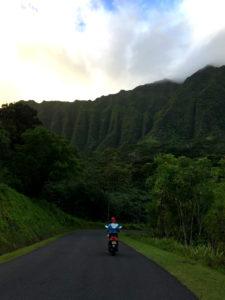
78	266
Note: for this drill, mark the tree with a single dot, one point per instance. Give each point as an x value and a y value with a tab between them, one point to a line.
78	198
43	157
16	118
214	221
4	144
181	195
108	171
203	193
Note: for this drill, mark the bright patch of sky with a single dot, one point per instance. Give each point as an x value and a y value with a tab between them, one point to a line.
109	4
67	50
143	4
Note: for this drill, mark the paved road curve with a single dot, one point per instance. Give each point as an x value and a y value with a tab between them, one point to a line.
77	266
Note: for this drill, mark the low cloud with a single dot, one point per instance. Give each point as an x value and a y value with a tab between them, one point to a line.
211	52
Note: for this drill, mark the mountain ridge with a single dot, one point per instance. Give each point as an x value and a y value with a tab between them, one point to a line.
162	111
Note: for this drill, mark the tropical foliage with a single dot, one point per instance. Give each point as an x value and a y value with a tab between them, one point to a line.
173	185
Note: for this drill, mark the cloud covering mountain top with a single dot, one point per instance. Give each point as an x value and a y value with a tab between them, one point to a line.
82	49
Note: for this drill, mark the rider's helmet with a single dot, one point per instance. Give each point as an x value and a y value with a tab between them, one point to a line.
113	220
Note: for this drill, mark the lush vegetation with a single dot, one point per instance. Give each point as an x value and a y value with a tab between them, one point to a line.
175	188
202	254
39	165
43	165
188	200
23	221
176	197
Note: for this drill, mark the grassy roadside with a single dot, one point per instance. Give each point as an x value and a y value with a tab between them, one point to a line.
22	251
8	256
204	282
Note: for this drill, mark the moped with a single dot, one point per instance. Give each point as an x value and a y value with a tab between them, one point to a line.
113	244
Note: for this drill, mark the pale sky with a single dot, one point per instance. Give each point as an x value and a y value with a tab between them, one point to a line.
82	49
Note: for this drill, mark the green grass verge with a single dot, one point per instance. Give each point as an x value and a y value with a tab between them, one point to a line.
204	282
8	256
204	254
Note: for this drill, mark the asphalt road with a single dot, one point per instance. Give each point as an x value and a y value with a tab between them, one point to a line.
78	266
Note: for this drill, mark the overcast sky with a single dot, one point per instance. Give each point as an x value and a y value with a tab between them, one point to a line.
82	49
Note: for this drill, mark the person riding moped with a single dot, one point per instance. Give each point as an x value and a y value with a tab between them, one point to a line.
113	228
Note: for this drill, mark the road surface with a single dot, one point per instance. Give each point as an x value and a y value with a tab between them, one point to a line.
78	266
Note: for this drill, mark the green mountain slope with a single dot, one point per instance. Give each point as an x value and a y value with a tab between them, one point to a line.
23	222
197	109
109	121
164	111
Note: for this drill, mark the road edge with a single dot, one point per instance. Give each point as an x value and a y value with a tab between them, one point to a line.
24	250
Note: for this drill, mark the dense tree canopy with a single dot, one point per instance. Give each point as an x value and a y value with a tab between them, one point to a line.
17	118
4	143
176	196
43	157
185	198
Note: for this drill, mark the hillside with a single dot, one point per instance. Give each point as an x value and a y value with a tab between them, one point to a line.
23	222
109	121
163	111
197	109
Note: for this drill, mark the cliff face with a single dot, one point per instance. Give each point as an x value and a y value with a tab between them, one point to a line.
197	109
164	111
